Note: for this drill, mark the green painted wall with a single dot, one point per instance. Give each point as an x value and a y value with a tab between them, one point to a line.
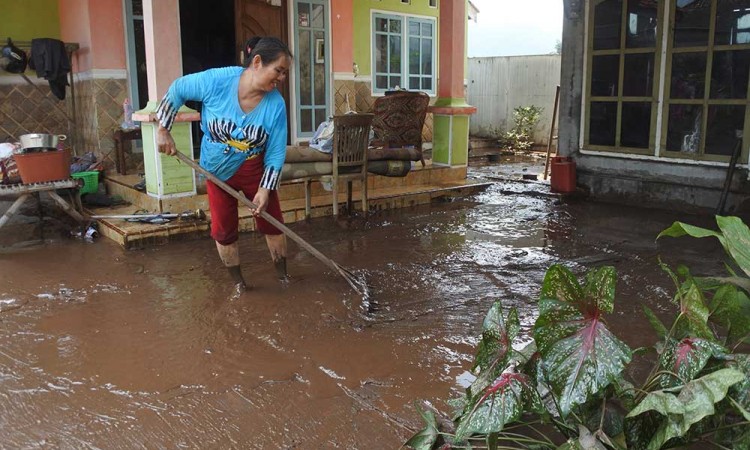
441	126
23	20
450	143
363	19
460	141
175	177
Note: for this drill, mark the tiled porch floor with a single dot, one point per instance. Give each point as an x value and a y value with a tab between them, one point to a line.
421	186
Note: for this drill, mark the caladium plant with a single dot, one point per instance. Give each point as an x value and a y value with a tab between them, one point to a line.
684	359
572	375
579	354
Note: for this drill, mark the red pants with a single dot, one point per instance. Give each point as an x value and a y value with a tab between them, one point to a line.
224	214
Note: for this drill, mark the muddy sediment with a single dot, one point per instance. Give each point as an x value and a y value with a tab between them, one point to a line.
106	348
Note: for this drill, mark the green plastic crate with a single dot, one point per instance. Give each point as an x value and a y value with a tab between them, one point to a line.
90	181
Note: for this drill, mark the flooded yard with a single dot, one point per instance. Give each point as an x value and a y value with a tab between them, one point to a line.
106	348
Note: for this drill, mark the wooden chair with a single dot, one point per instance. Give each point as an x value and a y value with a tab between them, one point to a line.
399	119
351	136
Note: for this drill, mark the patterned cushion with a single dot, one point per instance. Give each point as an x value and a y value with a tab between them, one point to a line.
394	154
315	169
305	169
399	119
297	154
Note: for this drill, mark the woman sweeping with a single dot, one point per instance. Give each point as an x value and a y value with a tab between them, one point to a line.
244	143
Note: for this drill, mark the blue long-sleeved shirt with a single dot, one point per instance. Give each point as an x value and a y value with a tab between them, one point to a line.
231	136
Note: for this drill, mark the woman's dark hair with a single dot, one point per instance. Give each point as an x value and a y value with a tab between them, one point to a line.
249	46
268	48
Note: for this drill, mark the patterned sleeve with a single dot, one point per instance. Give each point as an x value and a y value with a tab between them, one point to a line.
190	87
275	150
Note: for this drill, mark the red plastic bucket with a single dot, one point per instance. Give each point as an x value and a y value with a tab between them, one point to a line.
43	166
563	174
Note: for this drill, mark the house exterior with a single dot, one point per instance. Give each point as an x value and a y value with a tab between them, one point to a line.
654	97
347	53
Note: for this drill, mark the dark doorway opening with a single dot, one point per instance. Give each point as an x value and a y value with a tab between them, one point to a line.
208	41
207	32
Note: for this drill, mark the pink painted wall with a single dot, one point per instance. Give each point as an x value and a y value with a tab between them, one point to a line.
97	25
74	27
107	34
163	44
452	48
342	34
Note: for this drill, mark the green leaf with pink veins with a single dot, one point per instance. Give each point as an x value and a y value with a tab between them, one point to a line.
579	354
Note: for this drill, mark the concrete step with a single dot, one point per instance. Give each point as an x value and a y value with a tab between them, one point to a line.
140	235
420	186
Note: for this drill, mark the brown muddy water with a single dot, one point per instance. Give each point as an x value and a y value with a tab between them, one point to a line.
106	348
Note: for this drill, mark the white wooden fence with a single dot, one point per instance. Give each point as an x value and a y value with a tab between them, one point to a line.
498	84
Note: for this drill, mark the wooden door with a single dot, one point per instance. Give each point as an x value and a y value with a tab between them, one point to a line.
260	18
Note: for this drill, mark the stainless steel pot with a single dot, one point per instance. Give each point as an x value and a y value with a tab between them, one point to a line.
40	140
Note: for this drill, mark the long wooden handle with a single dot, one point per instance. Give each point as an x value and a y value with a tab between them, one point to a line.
245	201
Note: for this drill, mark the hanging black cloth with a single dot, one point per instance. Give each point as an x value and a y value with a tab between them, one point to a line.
51	62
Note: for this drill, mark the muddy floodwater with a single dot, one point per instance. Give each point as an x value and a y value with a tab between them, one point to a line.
106	348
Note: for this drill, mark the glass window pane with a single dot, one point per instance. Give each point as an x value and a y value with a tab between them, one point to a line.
395	82
607	22
605	72
307	121
638	79
729	74
395	55
381	53
395	25
691	23
320	74
320	116
427	29
414	83
305	82
303	14
381	82
635	130
413	55
426	56
413	28
721	130
318	16
137	7
381	24
688	75
684	128
641	24
427	84
732	23
602	123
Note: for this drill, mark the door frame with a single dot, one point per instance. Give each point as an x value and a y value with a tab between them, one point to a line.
294	82
131	62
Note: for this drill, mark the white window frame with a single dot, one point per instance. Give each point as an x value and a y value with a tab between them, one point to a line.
405	74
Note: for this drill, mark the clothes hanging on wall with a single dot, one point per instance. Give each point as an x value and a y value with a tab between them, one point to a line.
51	62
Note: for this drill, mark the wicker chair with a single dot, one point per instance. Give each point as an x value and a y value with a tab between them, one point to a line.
399	120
